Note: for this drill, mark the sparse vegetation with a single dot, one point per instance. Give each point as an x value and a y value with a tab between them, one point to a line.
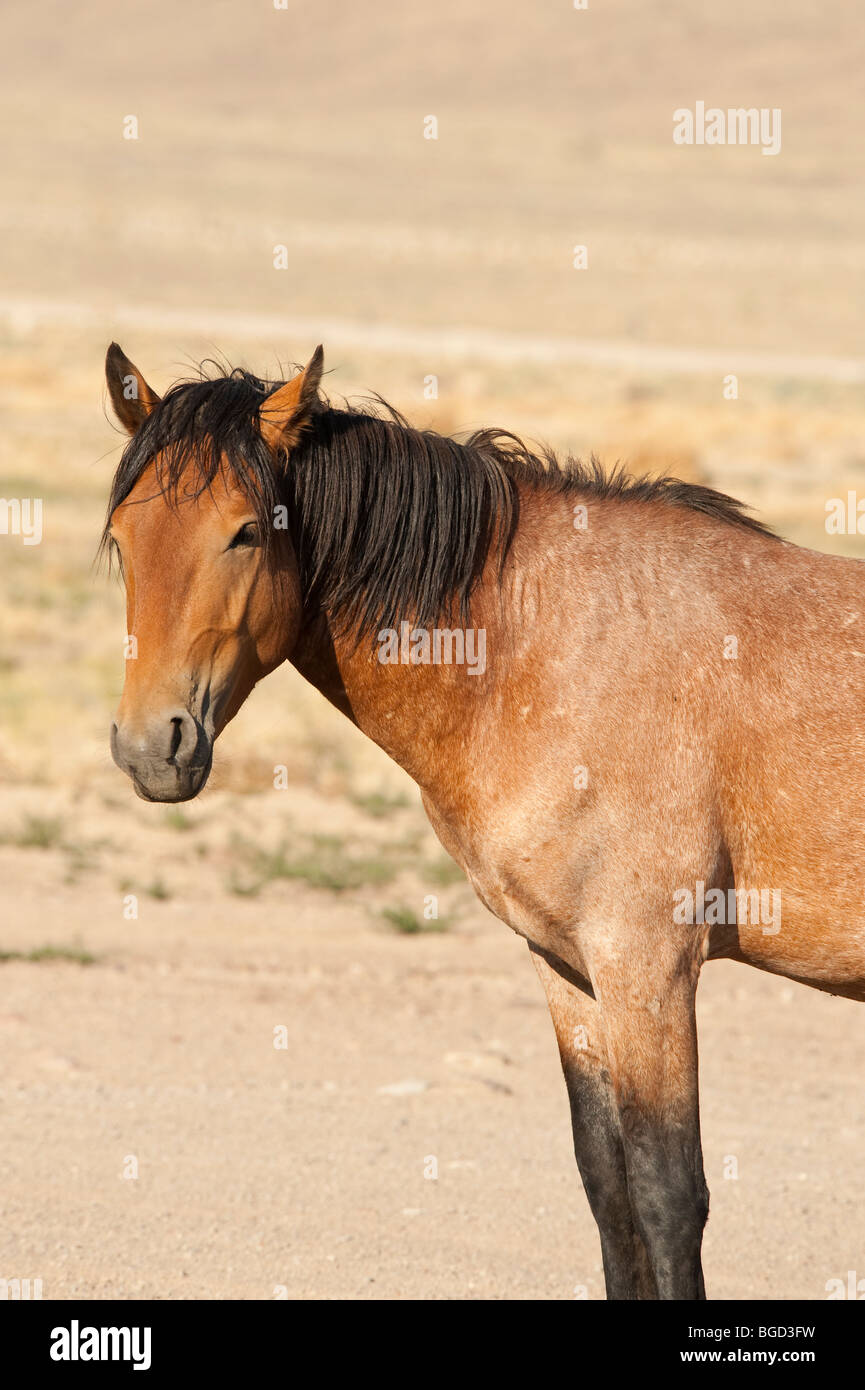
320	860
244	890
379	804
409	922
75	955
78	861
38	832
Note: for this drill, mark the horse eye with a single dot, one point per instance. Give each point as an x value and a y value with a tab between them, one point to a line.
247	535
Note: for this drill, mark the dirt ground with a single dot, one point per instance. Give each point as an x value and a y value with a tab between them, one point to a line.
410	1140
409	1135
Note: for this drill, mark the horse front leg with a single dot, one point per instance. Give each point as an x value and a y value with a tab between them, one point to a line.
647	1001
598	1143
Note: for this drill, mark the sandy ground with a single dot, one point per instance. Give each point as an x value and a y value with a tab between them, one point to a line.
148	1039
411	1137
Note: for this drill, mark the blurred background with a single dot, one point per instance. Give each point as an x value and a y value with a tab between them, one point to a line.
281	191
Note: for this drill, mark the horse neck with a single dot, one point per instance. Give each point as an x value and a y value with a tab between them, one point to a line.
426	716
412	711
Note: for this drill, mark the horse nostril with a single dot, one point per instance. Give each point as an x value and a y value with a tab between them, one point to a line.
176	738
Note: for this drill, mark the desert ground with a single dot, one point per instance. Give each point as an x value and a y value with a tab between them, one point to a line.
409	1137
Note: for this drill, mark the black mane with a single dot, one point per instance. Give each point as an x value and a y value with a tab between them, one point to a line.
388	522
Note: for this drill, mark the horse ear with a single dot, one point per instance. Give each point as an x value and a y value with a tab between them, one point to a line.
130	395
284	414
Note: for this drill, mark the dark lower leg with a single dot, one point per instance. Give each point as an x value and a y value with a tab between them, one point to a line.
669	1199
600	1158
597	1135
651	1039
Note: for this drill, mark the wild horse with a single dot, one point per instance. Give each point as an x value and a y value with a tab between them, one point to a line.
660	762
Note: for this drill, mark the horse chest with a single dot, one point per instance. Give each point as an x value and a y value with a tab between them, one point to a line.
523	879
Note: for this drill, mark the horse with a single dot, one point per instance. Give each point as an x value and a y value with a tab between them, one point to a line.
661	760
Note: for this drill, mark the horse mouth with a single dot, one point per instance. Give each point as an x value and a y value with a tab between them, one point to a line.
171	783
168	773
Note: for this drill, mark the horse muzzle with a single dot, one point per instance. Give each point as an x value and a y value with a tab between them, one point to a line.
168	759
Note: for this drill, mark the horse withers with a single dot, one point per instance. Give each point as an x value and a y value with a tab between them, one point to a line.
658	761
